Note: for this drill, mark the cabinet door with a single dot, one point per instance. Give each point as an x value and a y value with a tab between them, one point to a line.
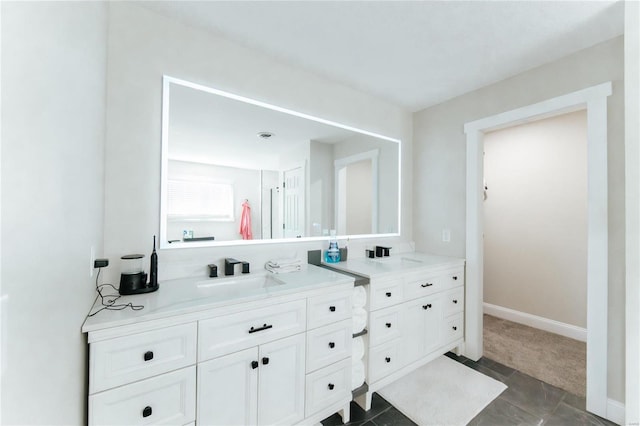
227	389
281	385
422	323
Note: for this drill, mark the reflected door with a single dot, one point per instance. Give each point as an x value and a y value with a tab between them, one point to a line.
293	198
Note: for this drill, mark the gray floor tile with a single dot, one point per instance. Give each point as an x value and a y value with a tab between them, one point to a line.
501	413
459	358
532	395
358	416
575	401
496	366
566	415
392	417
486	371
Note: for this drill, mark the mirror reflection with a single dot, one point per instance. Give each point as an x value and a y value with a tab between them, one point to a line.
236	169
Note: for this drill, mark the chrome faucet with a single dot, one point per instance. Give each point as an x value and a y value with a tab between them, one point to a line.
229	264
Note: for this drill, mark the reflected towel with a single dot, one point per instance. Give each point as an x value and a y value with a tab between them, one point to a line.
282	266
359	296
245	222
359	320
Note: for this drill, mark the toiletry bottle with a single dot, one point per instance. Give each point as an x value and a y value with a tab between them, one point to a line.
332	255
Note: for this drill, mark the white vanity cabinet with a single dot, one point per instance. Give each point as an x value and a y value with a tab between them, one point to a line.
416	313
281	359
263	385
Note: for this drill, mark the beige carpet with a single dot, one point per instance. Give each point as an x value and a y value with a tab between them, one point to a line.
549	357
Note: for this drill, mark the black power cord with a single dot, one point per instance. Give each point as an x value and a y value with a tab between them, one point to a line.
108	301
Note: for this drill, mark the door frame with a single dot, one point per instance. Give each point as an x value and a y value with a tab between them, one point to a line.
340	164
594	100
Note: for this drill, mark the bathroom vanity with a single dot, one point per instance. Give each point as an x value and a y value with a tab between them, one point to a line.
257	349
415	310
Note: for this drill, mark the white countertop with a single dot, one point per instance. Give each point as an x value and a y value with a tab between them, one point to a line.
186	295
396	263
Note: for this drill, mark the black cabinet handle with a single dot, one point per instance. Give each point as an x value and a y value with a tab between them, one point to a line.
427	306
388	325
146	411
455	277
265	360
332	308
332	345
455	300
388	294
455	328
425	285
254	364
264	327
387	359
331	386
148	356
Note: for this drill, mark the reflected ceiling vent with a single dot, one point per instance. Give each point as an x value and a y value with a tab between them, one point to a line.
266	135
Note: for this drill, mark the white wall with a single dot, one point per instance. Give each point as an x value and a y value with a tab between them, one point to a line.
142	47
535	218
53	93
632	178
321	192
440	165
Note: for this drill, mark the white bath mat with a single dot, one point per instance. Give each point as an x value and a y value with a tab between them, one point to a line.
443	392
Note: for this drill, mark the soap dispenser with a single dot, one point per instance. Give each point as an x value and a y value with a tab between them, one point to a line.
332	255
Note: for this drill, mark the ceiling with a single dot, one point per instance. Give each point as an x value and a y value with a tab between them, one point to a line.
414	54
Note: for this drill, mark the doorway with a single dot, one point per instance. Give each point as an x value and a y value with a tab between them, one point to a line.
535	249
595	100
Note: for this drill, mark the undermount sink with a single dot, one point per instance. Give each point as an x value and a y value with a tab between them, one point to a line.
399	260
239	283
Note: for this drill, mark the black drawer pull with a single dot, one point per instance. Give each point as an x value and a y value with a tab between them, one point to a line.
254	364
388	325
331	386
455	278
426	285
264	327
332	308
332	345
387	359
265	360
455	300
148	356
146	412
388	294
455	328
427	306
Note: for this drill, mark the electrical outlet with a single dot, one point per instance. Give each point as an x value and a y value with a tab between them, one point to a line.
92	259
446	235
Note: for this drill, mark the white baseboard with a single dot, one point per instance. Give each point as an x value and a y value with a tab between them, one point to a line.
552	326
615	411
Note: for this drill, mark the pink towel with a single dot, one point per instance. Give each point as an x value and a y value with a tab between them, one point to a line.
245	222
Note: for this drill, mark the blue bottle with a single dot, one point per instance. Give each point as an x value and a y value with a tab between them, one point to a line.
332	255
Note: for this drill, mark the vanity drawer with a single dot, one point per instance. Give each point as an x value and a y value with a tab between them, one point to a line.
328	344
166	399
419	285
385	293
454	301
121	360
384	360
453	277
385	325
329	308
328	386
229	333
453	328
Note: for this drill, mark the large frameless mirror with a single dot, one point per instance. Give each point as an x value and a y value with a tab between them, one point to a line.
240	171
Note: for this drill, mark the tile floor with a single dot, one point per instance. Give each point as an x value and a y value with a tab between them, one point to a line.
526	401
